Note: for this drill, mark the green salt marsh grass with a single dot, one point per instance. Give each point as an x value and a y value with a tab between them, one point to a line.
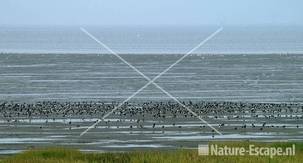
65	155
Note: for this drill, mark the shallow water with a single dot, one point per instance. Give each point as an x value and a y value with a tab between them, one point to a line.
152	40
21	135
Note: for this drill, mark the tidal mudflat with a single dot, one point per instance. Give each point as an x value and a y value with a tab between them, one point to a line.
91	77
148	125
49	99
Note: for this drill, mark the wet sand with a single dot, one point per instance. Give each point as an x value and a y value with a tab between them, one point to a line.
271	78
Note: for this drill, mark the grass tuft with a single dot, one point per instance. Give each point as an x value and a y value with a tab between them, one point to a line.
64	155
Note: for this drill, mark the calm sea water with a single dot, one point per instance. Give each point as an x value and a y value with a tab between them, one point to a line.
253	39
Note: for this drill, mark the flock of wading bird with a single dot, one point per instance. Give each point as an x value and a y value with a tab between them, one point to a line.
228	116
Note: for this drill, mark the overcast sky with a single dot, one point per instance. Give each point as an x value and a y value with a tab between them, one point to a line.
151	12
